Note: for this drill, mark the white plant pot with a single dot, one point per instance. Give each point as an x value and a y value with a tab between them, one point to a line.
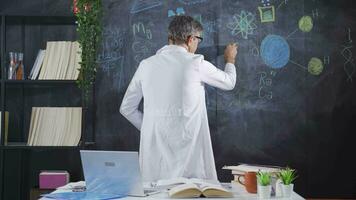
287	190
264	192
278	188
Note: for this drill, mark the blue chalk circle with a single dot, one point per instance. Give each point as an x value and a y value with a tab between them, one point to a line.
275	51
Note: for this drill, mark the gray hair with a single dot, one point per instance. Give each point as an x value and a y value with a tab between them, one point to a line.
181	27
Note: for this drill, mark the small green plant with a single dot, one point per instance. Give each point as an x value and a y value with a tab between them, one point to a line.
287	175
263	178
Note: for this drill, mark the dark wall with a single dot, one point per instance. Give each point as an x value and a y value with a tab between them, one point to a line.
36	7
280	116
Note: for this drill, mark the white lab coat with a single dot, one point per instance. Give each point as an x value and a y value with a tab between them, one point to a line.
175	138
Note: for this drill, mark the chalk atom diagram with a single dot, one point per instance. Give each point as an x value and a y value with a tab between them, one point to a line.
243	24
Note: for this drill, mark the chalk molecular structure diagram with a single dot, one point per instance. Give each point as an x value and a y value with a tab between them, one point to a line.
243	23
275	51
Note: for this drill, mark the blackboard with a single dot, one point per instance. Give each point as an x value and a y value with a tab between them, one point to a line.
295	99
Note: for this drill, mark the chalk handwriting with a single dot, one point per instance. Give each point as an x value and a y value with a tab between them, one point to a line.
139	28
265	83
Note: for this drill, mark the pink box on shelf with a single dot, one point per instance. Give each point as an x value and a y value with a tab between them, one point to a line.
53	179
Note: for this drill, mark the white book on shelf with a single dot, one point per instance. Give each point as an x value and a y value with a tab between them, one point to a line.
61	58
44	125
61	126
76	129
41	125
53	57
60	61
71	132
68	139
55	126
66	66
56	60
30	131
67	119
37	64
33	126
71	62
47	60
63	63
78	59
50	135
37	127
47	135
58	131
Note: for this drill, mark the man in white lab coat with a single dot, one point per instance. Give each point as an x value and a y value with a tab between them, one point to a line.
175	138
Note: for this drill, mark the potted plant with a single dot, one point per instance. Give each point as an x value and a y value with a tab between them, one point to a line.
287	176
264	184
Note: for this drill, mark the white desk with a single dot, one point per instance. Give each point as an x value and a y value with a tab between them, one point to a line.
238	190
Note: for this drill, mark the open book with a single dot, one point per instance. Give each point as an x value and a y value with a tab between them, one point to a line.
169	183
192	190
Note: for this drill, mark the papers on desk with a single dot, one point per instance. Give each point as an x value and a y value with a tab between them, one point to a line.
73	186
75	191
82	196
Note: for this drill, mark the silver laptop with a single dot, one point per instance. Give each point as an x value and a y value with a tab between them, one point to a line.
113	172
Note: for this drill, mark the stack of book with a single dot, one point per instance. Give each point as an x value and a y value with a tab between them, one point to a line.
238	170
55	126
59	61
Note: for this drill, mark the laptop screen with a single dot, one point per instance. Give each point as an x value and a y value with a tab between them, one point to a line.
111	172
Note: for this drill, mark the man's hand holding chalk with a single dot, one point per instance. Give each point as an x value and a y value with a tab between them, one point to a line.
230	53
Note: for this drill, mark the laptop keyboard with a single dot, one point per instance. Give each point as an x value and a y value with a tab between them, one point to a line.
149	191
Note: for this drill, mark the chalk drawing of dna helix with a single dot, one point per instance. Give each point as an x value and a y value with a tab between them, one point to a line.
349	65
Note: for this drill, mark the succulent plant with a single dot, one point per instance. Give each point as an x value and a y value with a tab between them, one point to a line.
287	175
263	178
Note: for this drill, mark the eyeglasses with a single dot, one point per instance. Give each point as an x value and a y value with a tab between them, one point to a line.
199	38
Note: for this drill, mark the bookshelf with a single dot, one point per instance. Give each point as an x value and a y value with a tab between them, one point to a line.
29	33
